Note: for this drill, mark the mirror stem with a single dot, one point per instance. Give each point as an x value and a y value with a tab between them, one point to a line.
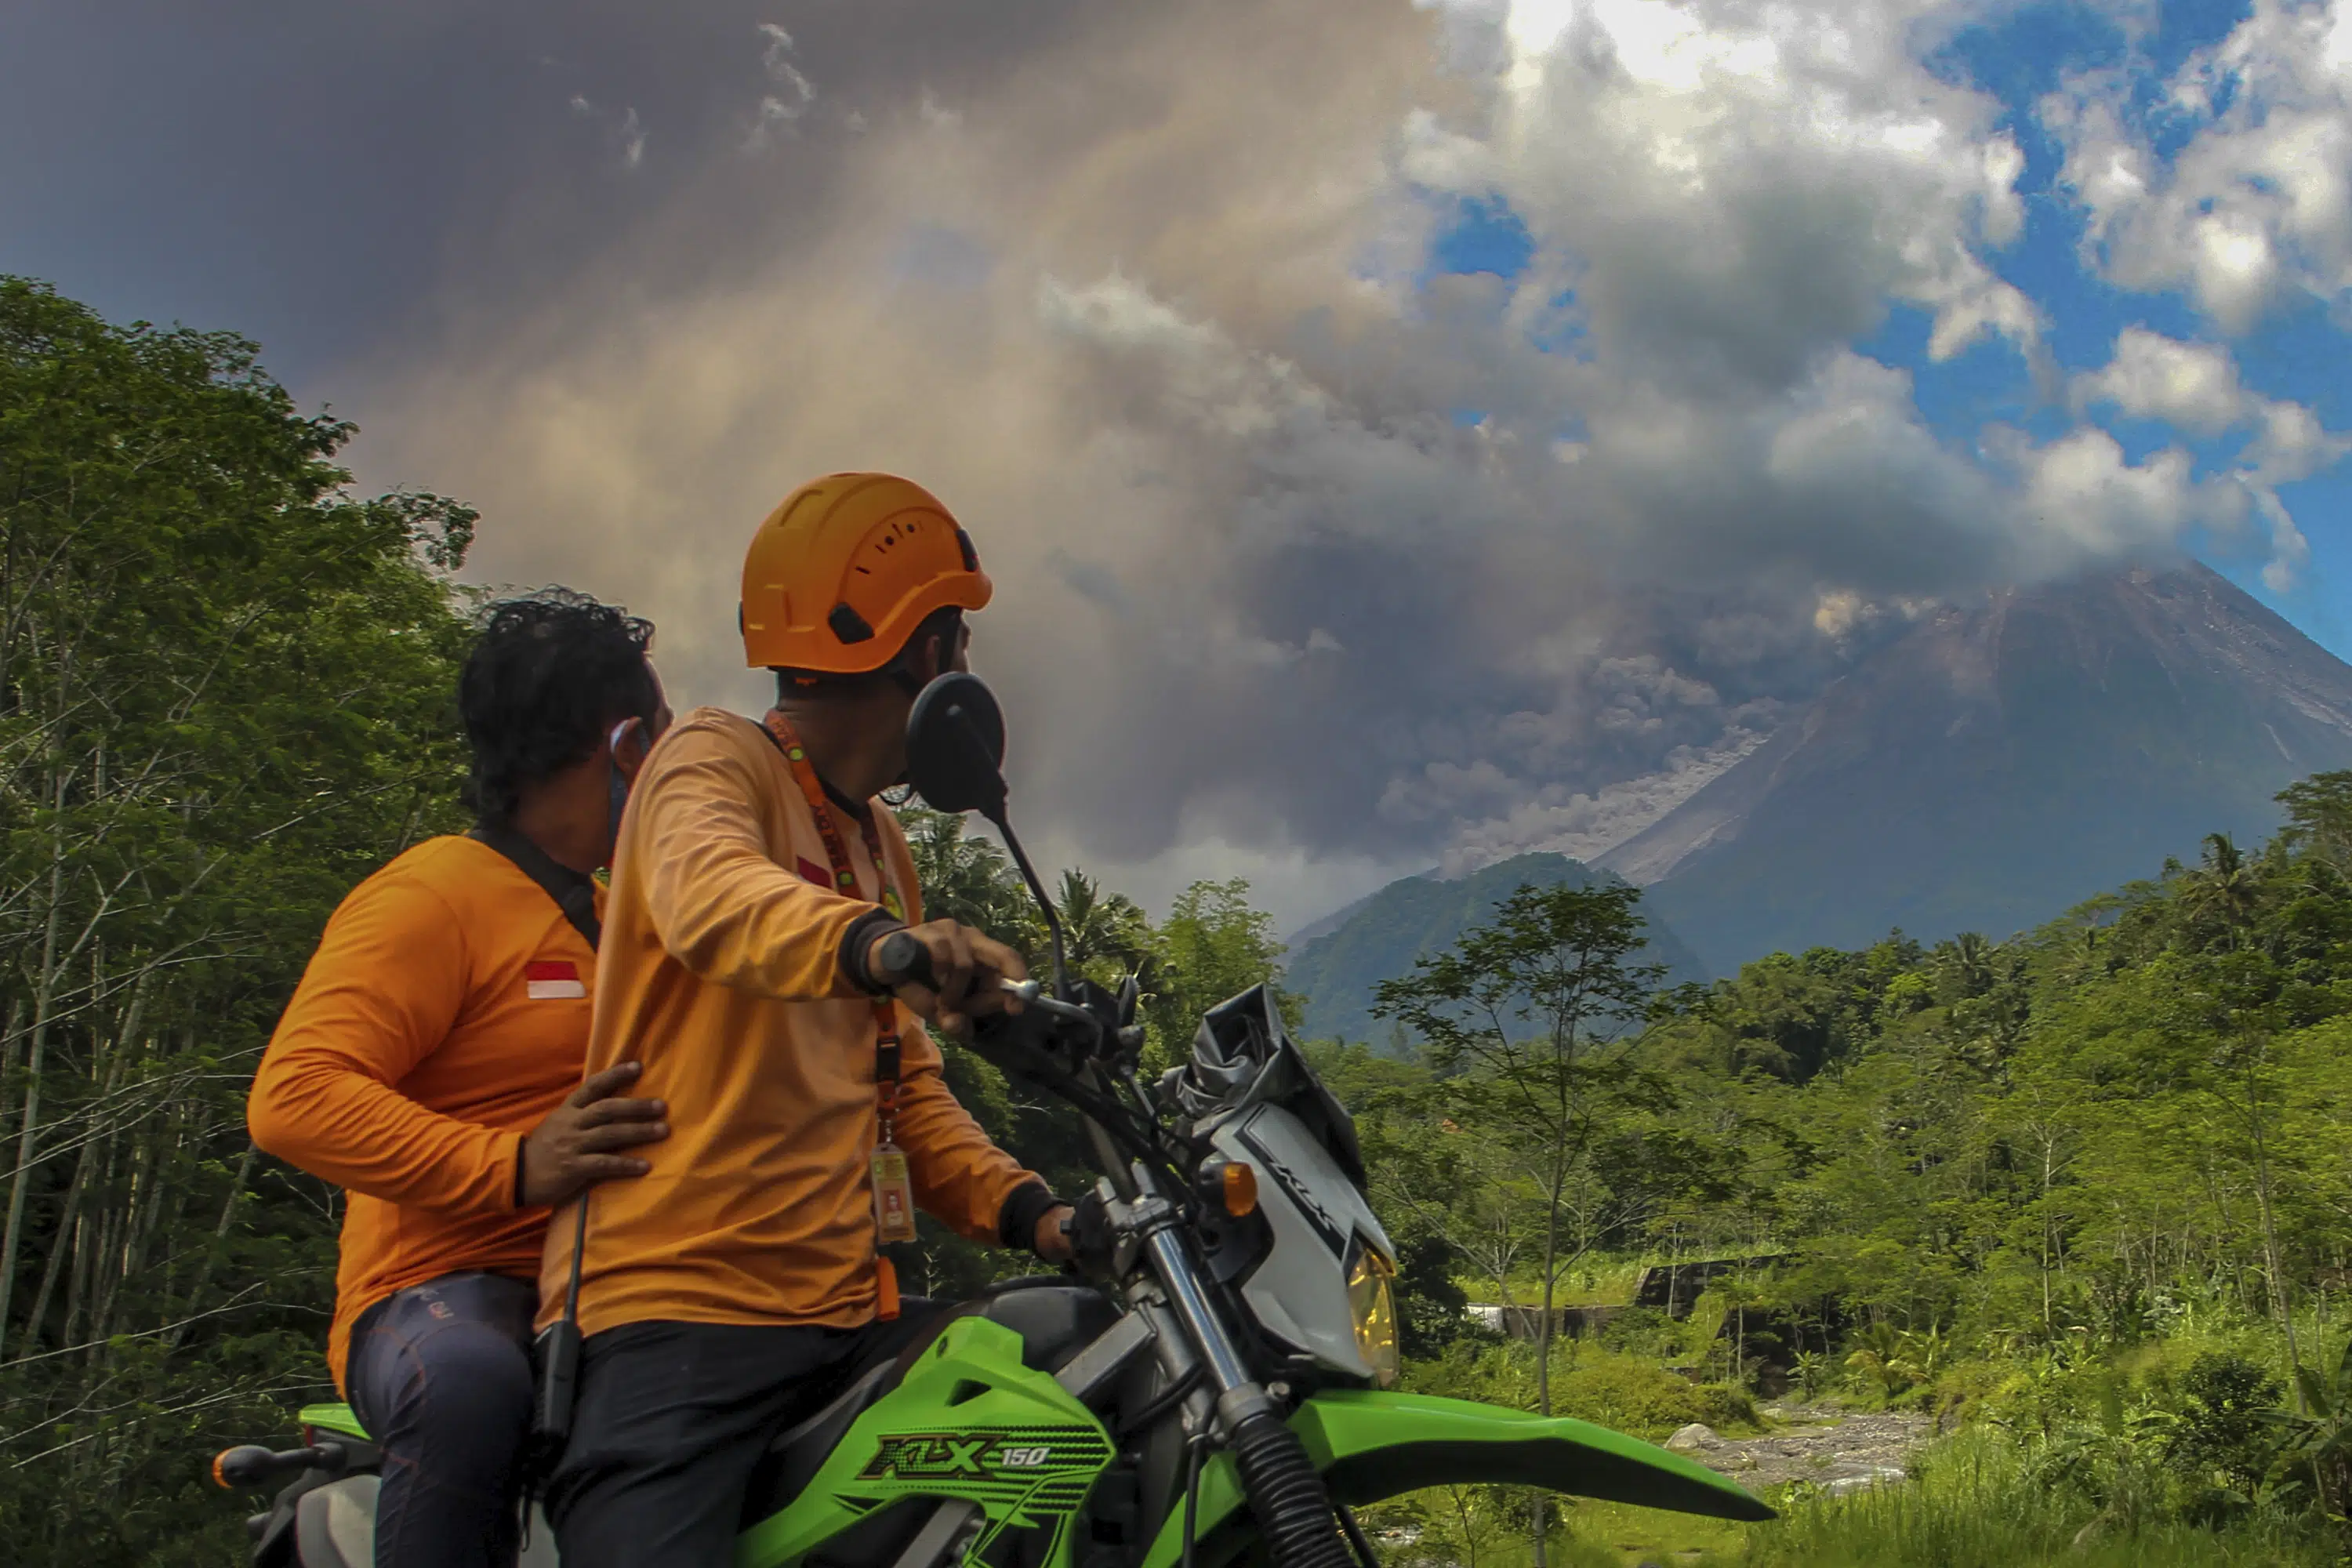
1036	891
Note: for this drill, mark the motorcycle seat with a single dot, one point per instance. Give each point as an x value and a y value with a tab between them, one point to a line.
1055	1319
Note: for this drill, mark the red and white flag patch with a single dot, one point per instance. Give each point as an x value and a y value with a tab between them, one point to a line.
552	979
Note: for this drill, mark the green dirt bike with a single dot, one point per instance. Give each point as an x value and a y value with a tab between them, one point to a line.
1214	1384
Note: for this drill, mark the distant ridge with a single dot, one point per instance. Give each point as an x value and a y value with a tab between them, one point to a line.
1314	930
1377	939
2000	763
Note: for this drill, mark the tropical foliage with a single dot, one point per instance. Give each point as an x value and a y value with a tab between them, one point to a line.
224	695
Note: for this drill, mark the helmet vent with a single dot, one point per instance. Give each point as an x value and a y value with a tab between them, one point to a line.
849	625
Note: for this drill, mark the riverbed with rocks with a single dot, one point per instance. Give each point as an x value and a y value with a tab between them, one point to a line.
1839	1450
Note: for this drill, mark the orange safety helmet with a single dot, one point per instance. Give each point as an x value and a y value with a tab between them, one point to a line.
840	576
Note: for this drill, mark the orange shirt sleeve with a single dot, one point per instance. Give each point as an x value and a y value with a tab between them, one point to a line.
379	995
721	905
962	1179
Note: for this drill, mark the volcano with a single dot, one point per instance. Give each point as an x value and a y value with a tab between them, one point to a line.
1997	763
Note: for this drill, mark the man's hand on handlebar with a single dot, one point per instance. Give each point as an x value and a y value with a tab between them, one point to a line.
964	967
1052	1241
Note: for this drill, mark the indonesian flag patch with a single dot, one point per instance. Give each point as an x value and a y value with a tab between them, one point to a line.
552	979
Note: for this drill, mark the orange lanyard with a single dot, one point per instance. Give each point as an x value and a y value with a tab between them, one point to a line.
844	877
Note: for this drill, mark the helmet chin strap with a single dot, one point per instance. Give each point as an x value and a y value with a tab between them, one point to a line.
616	798
616	788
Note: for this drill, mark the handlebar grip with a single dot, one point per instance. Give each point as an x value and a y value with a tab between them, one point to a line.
904	961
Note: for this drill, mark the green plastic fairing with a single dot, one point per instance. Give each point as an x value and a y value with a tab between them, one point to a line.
1372	1445
336	1418
967	1421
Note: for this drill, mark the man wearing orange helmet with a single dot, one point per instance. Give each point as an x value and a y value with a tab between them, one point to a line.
755	881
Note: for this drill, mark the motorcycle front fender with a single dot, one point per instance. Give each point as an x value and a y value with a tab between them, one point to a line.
1370	1446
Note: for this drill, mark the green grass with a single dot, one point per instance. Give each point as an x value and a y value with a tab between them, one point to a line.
1598	1282
1975	1504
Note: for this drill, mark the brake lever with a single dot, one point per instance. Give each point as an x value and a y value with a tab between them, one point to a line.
1033	995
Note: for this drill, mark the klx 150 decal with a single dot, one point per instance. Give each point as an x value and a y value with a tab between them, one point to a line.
933	1455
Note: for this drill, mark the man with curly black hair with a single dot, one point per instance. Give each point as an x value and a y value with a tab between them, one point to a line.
430	1064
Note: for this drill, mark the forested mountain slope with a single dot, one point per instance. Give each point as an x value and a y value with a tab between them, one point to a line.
1379	939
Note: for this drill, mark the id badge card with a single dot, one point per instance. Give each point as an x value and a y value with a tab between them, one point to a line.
894	1195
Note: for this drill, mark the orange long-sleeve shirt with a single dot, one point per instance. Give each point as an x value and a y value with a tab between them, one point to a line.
719	971
444	1015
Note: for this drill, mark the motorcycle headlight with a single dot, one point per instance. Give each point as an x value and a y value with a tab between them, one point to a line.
1372	1302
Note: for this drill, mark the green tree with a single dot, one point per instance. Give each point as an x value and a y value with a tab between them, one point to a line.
2319	817
2224	890
969	879
1107	936
226	695
1529	1019
1213	945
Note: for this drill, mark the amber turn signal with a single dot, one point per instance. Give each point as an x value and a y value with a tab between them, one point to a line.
1239	1183
234	1468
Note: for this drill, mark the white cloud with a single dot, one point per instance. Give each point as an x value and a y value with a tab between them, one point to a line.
2152	376
2196	387
937	115
1732	189
625	132
2089	498
2255	206
794	92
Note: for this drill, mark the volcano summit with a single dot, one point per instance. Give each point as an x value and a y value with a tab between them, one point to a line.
1998	763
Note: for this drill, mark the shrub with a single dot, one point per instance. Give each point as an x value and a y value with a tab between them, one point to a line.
2223	1427
1626	1392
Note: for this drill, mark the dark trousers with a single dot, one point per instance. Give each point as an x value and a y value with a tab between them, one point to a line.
672	1417
440	1375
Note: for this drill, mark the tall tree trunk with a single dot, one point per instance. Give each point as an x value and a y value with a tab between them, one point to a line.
112	1066
76	1276
2281	1300
8	1043
1538	1501
44	996
67	1216
212	1253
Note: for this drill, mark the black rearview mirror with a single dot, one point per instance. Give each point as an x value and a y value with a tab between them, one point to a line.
955	759
955	746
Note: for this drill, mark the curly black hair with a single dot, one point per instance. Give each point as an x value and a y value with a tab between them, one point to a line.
549	673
